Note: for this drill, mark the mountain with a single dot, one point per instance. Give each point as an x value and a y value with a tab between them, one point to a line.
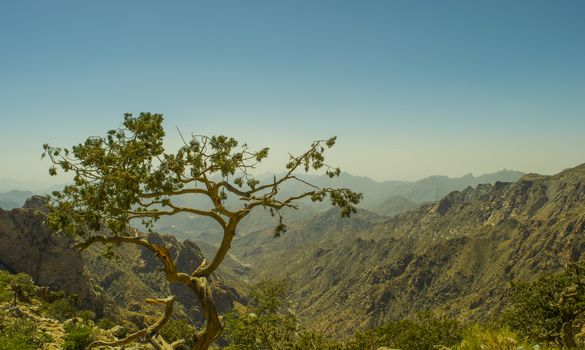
384	198
433	188
456	256
262	243
429	189
394	205
28	245
113	287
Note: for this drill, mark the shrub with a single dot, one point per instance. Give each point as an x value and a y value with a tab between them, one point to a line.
478	337
87	315
15	288
106	323
269	323
62	309
550	308
178	329
425	331
20	334
77	336
308	340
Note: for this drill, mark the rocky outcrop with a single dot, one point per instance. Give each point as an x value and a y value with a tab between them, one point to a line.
27	245
117	286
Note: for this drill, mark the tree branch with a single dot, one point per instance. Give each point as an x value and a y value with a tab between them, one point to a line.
226	242
174	193
198	284
149	331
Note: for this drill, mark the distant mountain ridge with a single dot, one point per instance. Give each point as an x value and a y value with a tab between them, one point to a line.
431	188
13	199
408	195
455	256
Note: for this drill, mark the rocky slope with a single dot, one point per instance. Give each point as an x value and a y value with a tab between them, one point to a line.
27	245
260	245
114	287
456	256
394	205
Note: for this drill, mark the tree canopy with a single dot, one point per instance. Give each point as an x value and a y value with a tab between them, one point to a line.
127	175
552	307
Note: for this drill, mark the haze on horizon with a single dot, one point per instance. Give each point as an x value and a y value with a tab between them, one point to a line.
411	88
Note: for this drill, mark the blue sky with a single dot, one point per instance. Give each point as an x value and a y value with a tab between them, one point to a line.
411	88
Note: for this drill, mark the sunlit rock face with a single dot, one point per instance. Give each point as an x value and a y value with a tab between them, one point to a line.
28	245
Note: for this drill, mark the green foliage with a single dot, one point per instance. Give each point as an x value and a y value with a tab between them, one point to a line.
77	336
20	334
268	324
478	337
176	330
308	340
87	315
106	323
551	307
62	308
5	293
15	288
426	331
127	175
120	176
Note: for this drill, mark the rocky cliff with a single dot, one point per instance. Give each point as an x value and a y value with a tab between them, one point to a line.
27	245
109	286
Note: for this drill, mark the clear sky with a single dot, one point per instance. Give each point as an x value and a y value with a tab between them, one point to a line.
411	88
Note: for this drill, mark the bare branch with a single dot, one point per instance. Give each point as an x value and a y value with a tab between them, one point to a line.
229	233
174	193
147	332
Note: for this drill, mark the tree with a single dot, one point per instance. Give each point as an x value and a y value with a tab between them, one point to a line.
551	307
127	175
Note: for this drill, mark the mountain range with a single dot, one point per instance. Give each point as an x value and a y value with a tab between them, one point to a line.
410	247
456	256
384	198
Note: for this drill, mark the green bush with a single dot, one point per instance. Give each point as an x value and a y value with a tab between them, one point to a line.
425	331
178	329
550	307
314	341
479	337
87	315
17	287
20	334
62	309
106	323
5	292
77	336
16	342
